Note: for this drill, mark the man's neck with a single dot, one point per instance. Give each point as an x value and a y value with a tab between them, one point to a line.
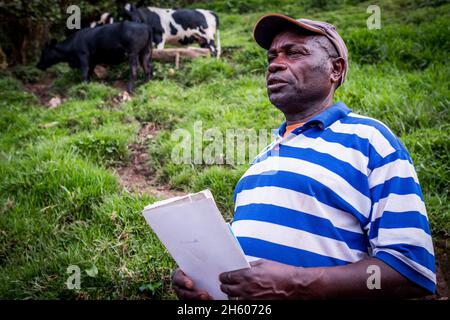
308	112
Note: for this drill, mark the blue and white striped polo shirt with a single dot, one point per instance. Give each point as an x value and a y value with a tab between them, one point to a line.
334	191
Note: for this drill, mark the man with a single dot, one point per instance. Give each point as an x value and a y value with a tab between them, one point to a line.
332	208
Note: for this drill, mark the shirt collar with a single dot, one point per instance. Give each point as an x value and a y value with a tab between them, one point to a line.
324	119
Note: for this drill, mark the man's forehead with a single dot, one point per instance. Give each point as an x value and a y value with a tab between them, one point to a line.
291	37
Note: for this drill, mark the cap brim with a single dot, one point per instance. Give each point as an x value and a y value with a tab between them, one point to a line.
272	24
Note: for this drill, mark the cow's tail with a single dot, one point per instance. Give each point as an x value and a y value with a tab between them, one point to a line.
150	45
218	48
217	35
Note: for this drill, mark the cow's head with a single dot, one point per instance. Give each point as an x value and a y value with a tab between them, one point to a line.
49	56
142	15
131	13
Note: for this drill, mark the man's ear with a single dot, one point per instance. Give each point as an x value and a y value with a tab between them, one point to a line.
338	65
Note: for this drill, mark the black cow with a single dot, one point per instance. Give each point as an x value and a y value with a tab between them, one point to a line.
180	26
109	44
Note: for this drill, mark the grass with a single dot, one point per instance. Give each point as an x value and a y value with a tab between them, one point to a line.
61	204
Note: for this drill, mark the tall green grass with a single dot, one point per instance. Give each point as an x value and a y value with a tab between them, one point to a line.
61	204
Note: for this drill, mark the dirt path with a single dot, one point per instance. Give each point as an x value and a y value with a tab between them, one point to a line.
41	89
136	175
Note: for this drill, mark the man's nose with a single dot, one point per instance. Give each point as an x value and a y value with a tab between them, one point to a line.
276	65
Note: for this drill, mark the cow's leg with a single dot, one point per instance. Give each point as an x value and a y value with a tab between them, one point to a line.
143	64
84	64
133	60
212	48
208	44
91	70
145	59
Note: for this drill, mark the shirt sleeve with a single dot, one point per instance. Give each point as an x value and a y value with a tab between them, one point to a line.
398	229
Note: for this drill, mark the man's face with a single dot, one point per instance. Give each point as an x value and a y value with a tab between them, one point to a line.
298	71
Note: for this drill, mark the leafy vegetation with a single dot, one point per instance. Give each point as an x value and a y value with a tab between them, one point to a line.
61	203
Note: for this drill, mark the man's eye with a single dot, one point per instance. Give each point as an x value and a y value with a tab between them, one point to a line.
295	53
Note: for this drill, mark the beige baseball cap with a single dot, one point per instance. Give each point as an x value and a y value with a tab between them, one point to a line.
272	24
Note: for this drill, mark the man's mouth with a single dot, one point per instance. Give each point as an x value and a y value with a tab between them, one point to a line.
275	83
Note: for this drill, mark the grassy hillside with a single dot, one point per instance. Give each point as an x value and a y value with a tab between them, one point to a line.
61	198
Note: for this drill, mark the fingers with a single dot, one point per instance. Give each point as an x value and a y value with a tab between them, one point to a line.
205	296
185	294
231	290
230	282
236	276
232	277
225	277
180	279
185	289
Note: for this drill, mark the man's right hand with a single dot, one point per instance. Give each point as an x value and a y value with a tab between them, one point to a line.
185	289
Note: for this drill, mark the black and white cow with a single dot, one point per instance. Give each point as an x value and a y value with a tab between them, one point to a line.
91	21
179	26
108	44
105	18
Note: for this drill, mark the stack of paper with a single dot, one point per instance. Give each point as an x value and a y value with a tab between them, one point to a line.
196	235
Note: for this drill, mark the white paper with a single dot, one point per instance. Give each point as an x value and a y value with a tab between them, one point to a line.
196	235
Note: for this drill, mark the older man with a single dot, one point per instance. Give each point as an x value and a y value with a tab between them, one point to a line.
333	207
